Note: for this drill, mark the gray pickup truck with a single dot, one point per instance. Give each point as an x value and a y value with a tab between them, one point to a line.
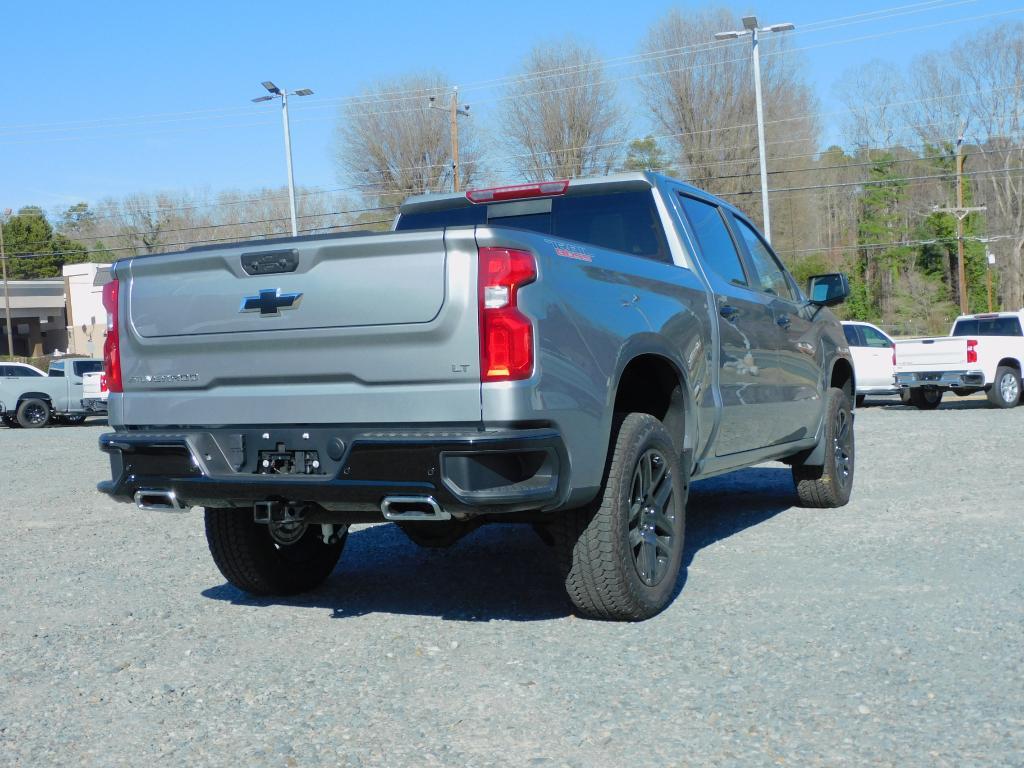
569	355
29	399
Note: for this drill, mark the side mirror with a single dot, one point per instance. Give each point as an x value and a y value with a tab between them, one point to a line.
828	290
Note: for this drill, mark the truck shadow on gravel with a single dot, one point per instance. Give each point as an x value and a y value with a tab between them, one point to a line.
505	572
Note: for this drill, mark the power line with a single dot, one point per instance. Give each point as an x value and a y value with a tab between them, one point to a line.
419	93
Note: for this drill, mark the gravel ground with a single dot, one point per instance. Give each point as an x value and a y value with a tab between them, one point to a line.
886	633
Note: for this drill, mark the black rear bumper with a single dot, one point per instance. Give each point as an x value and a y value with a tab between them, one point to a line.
467	471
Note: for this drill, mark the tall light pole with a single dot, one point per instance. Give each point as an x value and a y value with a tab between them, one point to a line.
277	93
750	27
7	286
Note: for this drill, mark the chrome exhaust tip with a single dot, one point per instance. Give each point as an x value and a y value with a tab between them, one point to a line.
158	500
401	508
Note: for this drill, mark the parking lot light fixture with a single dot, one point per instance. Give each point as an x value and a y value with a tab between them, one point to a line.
278	93
751	27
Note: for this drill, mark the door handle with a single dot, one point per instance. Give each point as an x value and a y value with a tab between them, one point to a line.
729	313
783	321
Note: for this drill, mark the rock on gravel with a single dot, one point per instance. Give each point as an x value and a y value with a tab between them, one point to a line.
889	632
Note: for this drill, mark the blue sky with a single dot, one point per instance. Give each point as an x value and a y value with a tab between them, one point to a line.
106	99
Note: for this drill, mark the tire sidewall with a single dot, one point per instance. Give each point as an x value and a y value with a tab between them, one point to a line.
839	400
638	433
997	391
23	408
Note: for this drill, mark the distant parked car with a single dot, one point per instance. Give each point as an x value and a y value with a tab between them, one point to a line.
874	359
29	398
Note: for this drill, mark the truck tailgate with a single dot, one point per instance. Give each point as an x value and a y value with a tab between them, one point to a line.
373	328
931	354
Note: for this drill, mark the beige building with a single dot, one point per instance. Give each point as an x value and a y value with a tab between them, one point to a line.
37	317
87	319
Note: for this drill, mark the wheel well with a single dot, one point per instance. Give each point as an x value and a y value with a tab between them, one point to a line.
842	376
1009	362
651	384
35	396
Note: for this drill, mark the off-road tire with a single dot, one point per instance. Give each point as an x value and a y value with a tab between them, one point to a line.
829	485
76	420
925	399
1006	379
602	576
28	411
251	560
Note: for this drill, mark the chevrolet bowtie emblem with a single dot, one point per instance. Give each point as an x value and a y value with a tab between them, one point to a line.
270	302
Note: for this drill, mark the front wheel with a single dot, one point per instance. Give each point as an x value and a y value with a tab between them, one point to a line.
830	484
622	554
291	559
1005	390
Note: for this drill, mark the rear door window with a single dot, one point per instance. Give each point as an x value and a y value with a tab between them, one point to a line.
717	249
850	331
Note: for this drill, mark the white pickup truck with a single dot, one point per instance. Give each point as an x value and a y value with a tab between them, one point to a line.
983	353
95	392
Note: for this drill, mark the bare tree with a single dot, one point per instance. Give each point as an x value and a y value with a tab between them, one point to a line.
391	144
874	94
701	95
561	119
980	83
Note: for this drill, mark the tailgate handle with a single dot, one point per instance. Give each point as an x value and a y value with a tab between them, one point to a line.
270	262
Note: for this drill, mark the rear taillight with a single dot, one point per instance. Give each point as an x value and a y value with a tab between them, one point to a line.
894	355
506	334
103	383
112	344
972	350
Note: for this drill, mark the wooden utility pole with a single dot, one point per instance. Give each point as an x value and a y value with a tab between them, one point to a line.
454	113
961	213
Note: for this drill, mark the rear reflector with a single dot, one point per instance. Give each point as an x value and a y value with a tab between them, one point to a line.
894	355
972	350
506	334
517	192
112	344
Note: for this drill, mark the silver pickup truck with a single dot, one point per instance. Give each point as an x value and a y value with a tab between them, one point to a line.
29	398
569	355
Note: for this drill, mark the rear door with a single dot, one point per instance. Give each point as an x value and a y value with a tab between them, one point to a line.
747	356
367	329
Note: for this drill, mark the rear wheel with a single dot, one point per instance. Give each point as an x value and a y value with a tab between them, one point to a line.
622	554
1005	390
925	399
830	484
74	421
33	413
293	560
